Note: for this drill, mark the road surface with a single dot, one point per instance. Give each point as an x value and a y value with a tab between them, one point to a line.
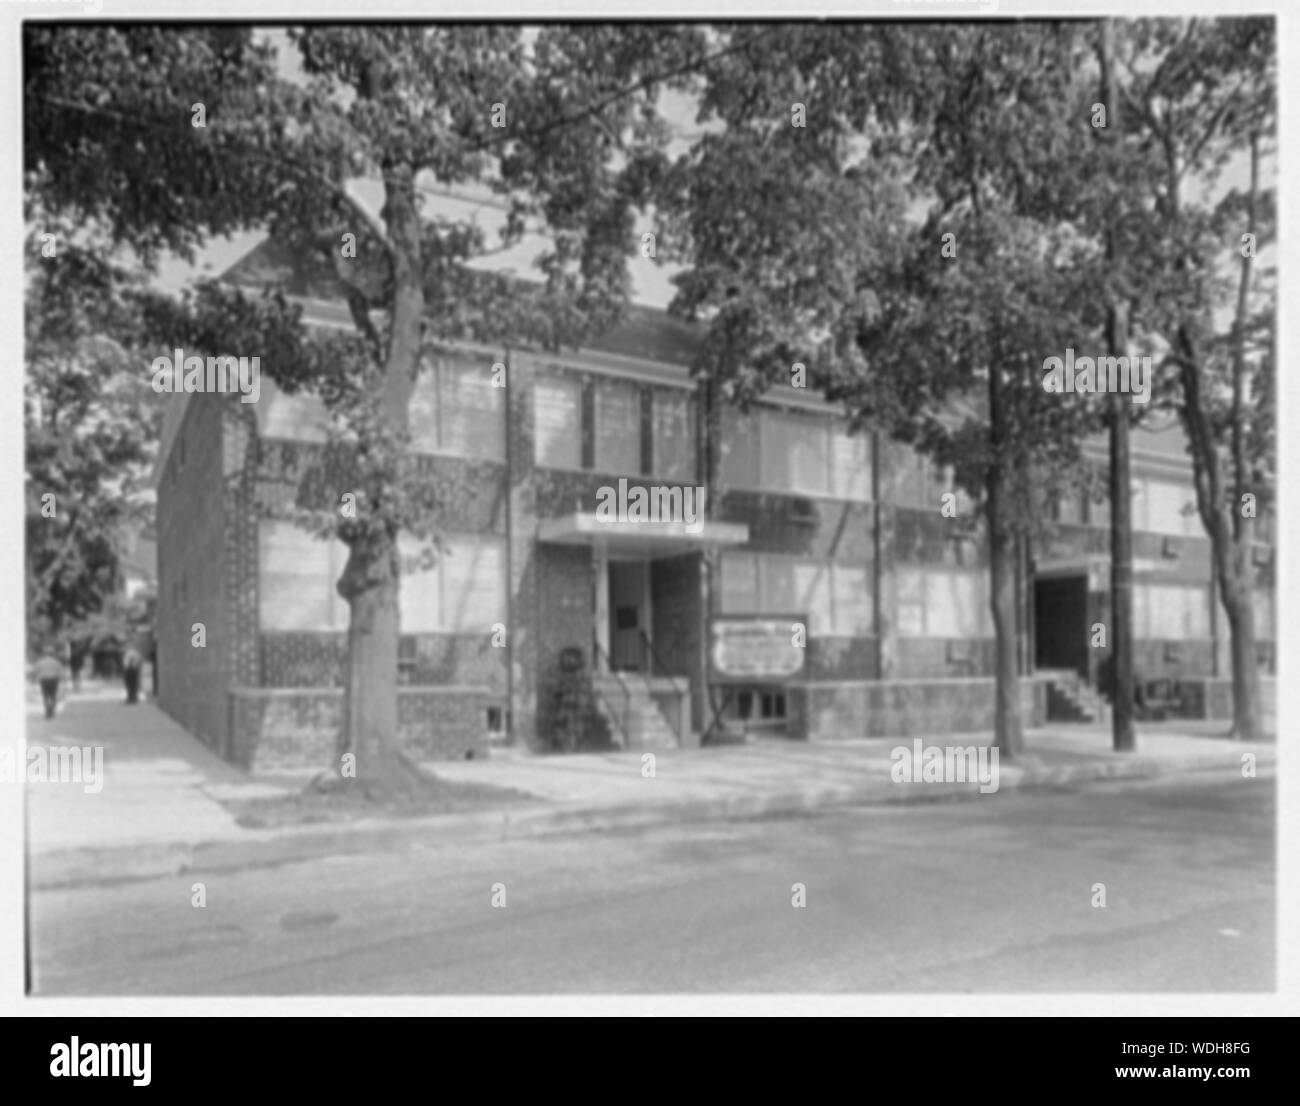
982	895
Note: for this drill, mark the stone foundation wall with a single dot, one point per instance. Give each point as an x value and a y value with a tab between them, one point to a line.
298	727
902	708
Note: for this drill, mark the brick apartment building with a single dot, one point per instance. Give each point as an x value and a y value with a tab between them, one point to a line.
844	531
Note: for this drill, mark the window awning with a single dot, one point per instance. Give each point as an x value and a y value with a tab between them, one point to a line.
640	540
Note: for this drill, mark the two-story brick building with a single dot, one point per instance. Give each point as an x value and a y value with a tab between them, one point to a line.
843	531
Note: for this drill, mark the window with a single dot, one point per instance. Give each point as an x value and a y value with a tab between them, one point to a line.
739	583
776	586
557	439
812	589
834	598
297	577
473	578
739	449
674	435
1068	508
796	452
618	427
949	603
455	408
1171	612
851	600
850	464
753	706
904	477
463	592
473	411
300	417
1168	510
420	598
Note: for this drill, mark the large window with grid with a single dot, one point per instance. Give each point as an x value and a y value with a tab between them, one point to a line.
617	427
836	598
462	591
795	452
943	602
557	430
457	409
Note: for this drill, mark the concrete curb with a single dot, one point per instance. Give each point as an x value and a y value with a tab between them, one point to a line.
268	848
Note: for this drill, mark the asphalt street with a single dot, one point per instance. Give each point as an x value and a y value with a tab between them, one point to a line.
996	894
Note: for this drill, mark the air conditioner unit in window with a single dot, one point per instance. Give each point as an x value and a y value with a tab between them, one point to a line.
803	511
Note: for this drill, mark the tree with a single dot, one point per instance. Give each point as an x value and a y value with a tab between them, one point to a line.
168	137
802	249
1202	96
89	429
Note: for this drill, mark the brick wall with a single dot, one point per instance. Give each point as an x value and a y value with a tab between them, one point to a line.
565	614
1212	699
842	658
822	528
192	559
319	660
902	708
279	728
921	657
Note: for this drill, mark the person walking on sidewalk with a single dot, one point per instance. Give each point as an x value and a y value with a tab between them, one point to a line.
49	670
131	673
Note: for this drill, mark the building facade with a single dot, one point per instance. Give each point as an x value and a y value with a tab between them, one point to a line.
549	622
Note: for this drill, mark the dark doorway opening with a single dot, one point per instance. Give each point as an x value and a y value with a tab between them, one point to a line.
1061	623
628	615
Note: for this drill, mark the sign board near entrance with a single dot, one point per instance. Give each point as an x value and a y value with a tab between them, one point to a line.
754	649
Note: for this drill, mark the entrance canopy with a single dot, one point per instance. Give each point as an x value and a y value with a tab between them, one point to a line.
631	540
1096	567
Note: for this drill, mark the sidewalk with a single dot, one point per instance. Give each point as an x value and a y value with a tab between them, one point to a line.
160	810
160	785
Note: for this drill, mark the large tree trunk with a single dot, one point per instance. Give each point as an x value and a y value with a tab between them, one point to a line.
1123	735
1245	673
1008	723
1237	591
1230	529
1231	557
369	733
371	580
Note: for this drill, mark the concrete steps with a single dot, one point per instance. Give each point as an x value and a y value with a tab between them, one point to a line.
627	704
1070	699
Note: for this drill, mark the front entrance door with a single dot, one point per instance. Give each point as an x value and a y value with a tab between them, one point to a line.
1061	623
627	614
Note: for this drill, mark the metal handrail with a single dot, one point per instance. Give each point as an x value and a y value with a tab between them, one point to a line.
622	722
658	663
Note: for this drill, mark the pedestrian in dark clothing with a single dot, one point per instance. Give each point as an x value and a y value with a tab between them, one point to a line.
131	673
48	673
77	661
